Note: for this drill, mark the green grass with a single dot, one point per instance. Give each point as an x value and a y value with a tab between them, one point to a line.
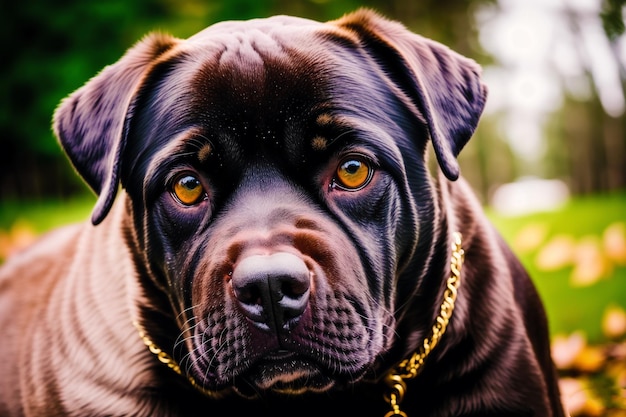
581	216
572	308
569	308
42	216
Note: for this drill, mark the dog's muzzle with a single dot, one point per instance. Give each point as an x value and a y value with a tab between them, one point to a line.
272	290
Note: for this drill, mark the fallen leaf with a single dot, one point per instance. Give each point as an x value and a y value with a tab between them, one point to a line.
530	237
589	359
565	349
20	236
614	322
573	395
614	240
556	254
590	264
618	372
578	398
5	245
594	407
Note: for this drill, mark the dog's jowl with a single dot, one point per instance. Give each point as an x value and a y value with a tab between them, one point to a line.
268	239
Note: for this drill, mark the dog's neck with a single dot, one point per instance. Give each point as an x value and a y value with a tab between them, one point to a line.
396	378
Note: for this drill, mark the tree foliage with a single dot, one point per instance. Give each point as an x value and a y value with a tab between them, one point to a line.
52	48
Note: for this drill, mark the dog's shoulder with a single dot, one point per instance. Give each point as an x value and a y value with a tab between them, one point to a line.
26	280
28	276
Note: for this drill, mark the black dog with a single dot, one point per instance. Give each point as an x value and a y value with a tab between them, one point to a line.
280	245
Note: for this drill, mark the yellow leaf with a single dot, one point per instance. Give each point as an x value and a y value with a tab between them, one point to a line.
614	322
614	240
556	254
594	407
5	245
22	235
530	237
590	264
565	349
578	399
573	395
589	359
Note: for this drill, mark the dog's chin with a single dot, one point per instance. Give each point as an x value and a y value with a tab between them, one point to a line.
283	374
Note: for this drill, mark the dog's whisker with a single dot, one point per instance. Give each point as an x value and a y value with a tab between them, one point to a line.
186	328
184	312
191	354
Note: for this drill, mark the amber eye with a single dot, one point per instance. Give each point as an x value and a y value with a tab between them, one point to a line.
188	190
353	173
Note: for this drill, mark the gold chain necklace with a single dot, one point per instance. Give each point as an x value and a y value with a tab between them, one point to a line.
395	379
410	368
171	363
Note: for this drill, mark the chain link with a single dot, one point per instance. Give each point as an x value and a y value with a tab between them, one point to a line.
171	363
410	368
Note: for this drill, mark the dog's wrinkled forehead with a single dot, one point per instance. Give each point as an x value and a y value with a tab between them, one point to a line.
251	92
237	99
259	34
259	86
247	53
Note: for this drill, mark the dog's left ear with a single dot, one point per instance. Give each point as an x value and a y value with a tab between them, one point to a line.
445	86
91	122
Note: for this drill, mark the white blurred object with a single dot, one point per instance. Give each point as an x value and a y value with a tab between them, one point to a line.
529	195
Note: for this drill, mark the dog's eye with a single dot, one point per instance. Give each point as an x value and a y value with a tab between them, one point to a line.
188	190
353	173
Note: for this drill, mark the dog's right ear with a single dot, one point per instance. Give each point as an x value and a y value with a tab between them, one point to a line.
446	87
91	123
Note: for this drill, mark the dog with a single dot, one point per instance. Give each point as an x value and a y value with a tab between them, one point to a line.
269	238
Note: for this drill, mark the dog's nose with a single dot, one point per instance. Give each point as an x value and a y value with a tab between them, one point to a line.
272	290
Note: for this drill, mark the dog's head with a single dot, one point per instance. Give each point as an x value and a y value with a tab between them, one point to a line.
279	190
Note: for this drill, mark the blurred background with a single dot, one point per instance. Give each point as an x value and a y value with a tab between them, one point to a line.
548	160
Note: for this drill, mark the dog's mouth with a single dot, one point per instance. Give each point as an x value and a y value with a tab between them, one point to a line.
285	373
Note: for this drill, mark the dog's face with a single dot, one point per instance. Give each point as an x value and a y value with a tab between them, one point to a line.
279	190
